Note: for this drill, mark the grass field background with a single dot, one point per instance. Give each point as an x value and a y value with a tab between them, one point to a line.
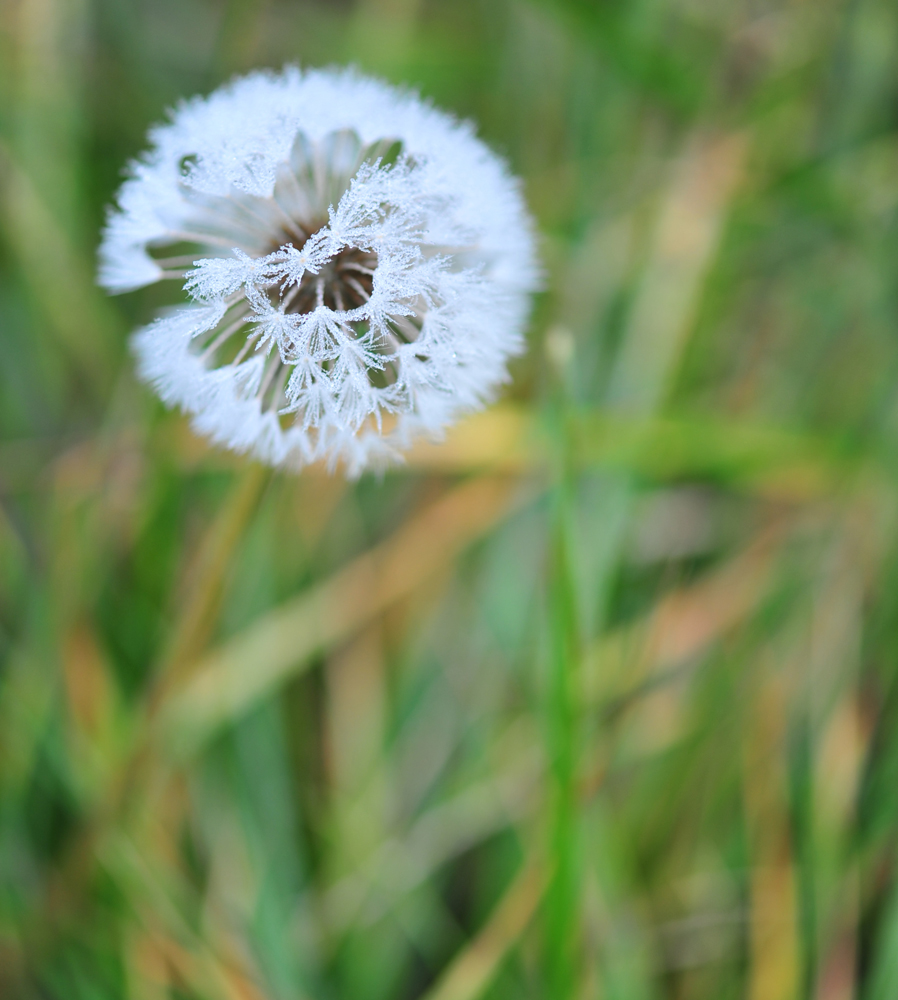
599	699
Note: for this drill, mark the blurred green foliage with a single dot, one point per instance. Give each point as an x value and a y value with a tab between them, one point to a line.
598	699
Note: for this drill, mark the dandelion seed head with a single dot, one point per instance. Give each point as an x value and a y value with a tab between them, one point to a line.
357	266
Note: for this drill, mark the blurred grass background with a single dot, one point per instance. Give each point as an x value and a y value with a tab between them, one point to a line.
598	699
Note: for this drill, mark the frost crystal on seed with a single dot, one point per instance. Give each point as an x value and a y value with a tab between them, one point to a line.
358	263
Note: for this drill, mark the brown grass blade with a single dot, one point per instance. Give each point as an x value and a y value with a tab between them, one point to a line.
209	571
685	243
682	625
473	970
258	660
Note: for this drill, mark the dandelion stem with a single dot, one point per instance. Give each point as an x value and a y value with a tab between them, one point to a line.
407	330
338	297
224	335
186	235
357	288
270	372
242	353
351	266
278	392
292	295
186	260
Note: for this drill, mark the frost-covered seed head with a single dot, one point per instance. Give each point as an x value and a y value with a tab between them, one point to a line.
358	263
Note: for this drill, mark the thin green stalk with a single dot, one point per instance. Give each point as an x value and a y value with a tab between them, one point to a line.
562	907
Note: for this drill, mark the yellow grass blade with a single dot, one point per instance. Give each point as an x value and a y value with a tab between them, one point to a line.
473	970
258	660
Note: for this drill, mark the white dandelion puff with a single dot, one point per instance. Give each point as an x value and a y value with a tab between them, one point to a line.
358	266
